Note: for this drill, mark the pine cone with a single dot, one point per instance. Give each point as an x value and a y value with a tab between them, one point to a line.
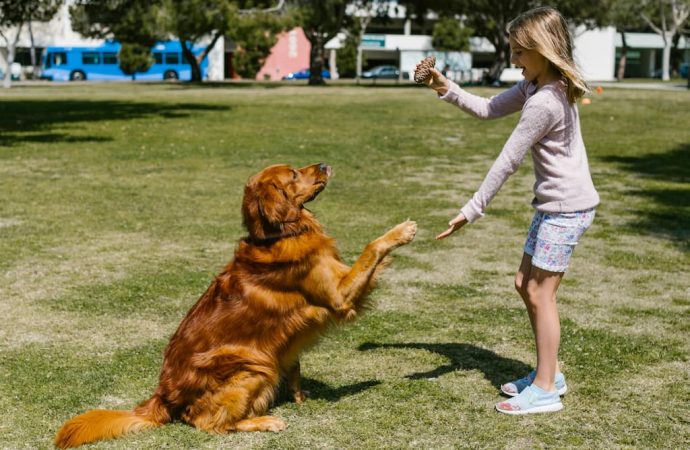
423	72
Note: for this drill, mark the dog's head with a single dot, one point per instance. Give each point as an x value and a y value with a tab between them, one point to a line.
273	199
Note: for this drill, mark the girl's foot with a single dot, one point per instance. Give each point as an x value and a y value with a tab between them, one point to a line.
515	387
532	399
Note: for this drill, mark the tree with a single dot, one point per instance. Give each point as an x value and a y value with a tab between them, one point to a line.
666	18
363	12
15	14
255	34
143	22
450	36
490	18
623	15
136	24
321	20
134	58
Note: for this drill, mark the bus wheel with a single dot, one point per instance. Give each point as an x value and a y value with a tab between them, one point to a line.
170	75
77	75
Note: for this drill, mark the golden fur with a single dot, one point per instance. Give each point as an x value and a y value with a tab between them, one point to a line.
283	289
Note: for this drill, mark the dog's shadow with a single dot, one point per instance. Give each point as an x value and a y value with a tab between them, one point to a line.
496	369
319	390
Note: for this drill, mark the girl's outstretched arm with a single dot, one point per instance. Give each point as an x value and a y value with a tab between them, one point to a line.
507	102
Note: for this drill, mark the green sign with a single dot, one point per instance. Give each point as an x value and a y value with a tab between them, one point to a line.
374	40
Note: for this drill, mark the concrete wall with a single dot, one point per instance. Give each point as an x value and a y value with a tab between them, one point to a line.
290	54
595	53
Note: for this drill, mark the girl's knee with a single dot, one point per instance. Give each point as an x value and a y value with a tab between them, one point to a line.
521	286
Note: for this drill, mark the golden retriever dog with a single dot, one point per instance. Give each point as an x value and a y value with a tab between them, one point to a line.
285	286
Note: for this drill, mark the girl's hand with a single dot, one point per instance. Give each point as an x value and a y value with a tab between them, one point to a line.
458	222
437	81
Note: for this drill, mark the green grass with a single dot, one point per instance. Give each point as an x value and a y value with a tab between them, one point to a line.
120	202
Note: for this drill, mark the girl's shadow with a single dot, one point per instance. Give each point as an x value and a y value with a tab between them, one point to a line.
496	368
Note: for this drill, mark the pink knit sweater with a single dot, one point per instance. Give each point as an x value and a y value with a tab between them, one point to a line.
550	127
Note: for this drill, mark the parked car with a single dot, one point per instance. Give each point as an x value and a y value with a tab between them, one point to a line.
388	72
304	75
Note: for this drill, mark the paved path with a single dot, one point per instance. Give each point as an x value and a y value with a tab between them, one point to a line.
652	86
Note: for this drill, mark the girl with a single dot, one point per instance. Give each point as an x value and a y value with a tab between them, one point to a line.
564	195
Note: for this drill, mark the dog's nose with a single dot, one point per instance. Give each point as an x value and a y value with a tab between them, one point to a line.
323	167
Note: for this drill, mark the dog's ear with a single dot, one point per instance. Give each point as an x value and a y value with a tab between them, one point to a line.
265	209
275	205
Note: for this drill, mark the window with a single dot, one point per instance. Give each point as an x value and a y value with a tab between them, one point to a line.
90	58
172	58
109	58
157	58
58	58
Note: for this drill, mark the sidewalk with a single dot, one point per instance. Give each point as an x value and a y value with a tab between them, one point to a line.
673	86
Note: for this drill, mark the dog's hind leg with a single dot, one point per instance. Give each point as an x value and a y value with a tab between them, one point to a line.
262	423
246	395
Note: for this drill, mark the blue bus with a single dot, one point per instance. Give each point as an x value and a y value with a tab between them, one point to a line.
101	63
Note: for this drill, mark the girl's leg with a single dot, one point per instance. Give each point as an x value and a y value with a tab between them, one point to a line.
521	284
541	287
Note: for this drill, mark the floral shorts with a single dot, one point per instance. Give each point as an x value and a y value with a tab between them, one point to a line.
552	237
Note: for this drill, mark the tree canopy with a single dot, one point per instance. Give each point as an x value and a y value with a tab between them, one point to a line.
490	18
14	14
194	22
321	20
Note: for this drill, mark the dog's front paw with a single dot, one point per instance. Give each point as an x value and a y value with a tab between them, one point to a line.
403	233
346	311
300	396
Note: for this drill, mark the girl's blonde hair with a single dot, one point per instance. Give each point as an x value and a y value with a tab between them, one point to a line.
545	30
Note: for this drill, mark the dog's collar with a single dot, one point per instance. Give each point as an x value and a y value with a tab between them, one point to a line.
273	239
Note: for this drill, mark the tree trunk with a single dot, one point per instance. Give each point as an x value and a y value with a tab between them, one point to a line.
193	62
502	45
363	24
316	59
34	63
11	50
624	58
666	59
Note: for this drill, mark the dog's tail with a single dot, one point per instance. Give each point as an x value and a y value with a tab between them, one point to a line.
104	424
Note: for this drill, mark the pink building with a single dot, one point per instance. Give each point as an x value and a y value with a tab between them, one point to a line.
290	54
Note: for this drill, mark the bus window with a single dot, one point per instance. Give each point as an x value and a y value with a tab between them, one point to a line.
172	58
56	59
157	58
90	58
109	58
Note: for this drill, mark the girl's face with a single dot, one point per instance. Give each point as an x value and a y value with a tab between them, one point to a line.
535	67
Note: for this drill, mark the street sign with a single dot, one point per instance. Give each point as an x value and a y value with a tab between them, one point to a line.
374	40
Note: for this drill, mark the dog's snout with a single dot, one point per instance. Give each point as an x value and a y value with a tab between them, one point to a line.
323	167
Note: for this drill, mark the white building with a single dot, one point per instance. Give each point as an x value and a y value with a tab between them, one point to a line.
401	42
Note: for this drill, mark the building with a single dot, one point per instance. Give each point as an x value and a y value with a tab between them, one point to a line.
396	41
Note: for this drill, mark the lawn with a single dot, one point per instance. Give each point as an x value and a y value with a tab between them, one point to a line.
120	202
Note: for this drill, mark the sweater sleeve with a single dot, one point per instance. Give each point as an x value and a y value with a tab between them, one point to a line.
507	102
538	117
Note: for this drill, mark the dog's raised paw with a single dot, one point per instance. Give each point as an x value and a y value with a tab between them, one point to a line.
404	232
